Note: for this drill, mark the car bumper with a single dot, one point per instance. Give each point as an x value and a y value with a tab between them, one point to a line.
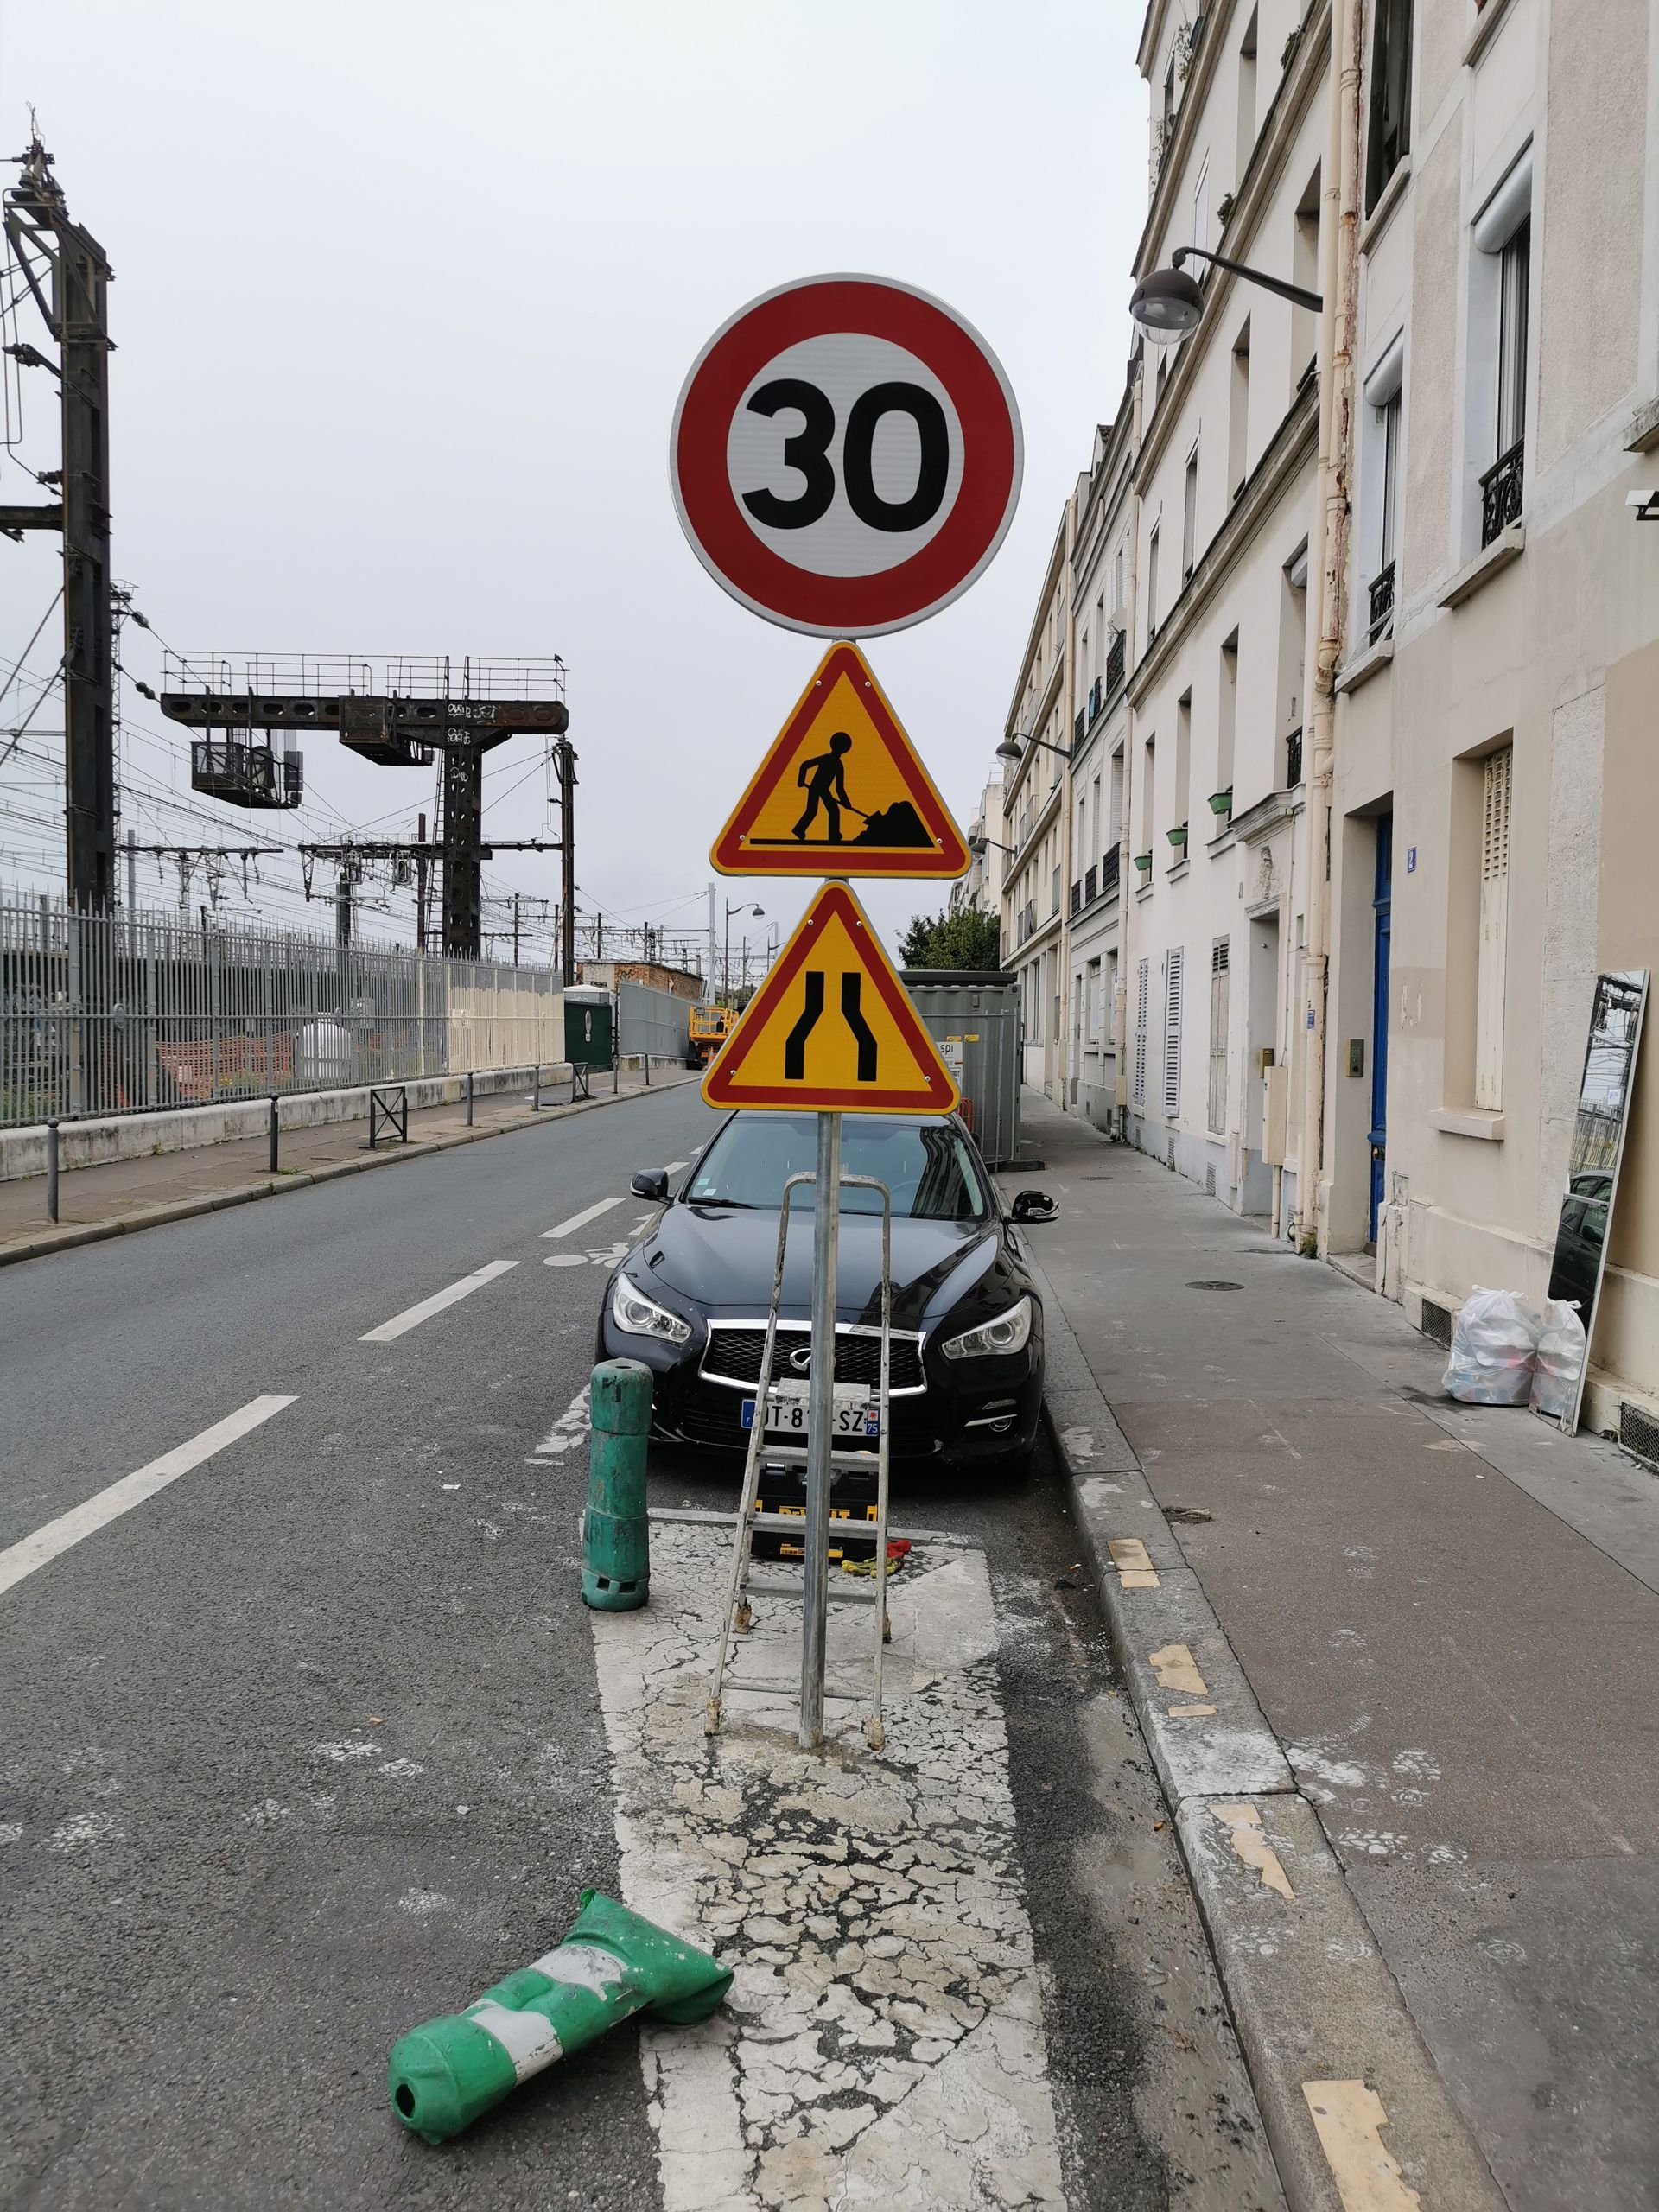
972	1413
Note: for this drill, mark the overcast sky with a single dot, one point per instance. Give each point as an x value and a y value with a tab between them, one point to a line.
404	296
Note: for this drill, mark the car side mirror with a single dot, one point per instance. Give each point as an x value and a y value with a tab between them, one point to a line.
1035	1205
651	1183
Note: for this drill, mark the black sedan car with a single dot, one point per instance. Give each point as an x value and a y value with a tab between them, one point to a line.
690	1298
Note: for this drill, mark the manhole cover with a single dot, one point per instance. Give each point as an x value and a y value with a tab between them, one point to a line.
1208	1285
1187	1513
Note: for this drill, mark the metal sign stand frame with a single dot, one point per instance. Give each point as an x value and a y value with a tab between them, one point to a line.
819	1455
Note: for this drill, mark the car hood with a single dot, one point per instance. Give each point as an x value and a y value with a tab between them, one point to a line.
722	1260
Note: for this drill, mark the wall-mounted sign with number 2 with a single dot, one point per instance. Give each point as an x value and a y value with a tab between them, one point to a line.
845	456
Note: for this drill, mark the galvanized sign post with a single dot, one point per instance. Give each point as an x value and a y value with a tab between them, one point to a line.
845	459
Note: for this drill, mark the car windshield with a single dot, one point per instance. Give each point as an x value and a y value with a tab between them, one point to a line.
925	1165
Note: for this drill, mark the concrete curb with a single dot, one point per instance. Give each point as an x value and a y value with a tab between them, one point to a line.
240	1194
1311	1998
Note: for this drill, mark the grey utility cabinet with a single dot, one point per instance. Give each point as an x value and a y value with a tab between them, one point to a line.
973	1016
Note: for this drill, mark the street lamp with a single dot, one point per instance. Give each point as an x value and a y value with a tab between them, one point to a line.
1167	305
979	845
1009	750
737	906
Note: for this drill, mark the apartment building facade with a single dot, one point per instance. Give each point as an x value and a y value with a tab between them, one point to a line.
1103	569
1390	646
1038	867
1495	768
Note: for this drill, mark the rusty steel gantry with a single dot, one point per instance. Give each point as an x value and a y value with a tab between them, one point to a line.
399	714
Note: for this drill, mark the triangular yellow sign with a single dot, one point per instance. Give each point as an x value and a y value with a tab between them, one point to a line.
841	790
832	1029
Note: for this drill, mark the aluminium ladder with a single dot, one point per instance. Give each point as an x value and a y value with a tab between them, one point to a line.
739	1616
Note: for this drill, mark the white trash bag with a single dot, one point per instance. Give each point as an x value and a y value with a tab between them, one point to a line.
1561	1359
1494	1344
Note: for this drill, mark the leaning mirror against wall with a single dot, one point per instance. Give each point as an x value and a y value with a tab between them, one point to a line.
1598	1130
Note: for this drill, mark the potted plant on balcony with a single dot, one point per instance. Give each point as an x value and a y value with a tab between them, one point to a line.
1143	861
1177	836
1221	801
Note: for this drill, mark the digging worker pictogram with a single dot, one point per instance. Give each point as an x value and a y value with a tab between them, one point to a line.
825	780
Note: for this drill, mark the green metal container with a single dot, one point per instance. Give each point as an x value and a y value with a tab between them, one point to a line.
589	1028
448	2073
615	1533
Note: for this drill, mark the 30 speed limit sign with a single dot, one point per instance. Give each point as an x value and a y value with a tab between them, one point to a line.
845	456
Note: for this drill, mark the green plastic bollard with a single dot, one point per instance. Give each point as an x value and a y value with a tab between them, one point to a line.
615	1534
448	2073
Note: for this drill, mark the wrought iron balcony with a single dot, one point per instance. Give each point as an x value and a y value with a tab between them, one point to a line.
1382	601
1108	871
1096	699
1090	886
1500	493
1115	663
1077	895
1293	759
1078	726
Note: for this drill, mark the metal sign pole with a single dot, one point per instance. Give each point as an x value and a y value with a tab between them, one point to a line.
820	1430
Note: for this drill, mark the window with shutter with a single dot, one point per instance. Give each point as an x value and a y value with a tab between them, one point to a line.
1142	993
1220	957
1494	930
1173	1035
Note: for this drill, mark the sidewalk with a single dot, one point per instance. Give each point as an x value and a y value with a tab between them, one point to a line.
129	1194
1448	1618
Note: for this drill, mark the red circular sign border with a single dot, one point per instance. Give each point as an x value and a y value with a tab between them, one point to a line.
846	607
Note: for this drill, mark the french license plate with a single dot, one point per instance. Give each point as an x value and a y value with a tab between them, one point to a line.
855	1414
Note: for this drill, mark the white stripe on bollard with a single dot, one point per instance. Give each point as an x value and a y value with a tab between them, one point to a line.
60	1536
529	2038
412	1316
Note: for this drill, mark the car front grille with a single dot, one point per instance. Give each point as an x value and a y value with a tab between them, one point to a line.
734	1351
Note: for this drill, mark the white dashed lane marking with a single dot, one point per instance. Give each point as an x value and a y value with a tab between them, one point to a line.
589	1213
21	1559
412	1316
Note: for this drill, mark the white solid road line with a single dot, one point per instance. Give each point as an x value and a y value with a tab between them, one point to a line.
412	1316
589	1213
59	1535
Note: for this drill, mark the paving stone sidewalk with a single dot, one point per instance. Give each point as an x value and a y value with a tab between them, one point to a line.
1449	1616
117	1196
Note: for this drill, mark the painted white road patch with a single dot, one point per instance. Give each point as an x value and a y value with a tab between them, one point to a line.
412	1316
69	1529
883	2040
571	1426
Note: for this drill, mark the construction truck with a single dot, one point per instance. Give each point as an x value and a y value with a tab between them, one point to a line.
710	1026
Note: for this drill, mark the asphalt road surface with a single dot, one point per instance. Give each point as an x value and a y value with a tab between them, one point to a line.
303	1740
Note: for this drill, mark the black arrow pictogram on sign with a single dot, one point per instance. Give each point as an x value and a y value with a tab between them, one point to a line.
852	986
795	1046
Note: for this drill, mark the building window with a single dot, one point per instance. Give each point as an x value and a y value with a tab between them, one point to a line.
1110	1011
1173	964
1190	515
1499	322
1238	415
1494	929
1094	1001
1379	489
1201	209
1246	100
1142	981
1389	138
1220	958
1151	585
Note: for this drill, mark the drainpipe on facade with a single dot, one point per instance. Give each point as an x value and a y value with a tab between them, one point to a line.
1126	819
1339	287
1068	738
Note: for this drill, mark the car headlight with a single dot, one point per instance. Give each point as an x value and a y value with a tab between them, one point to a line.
1009	1332
636	1315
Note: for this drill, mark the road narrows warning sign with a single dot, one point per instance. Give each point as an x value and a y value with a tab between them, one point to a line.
832	1029
841	790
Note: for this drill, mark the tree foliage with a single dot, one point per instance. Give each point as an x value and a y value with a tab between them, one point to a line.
969	938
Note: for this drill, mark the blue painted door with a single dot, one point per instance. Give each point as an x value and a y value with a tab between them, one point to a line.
1381	900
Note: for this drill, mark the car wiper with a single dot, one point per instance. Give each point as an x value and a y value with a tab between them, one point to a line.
745	1204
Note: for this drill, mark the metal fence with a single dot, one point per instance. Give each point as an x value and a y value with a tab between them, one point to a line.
113	1014
650	1020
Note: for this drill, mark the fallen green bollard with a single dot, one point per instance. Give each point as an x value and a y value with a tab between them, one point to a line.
448	2074
615	1532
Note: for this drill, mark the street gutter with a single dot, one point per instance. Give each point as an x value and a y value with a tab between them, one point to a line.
273	1187
1326	2035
